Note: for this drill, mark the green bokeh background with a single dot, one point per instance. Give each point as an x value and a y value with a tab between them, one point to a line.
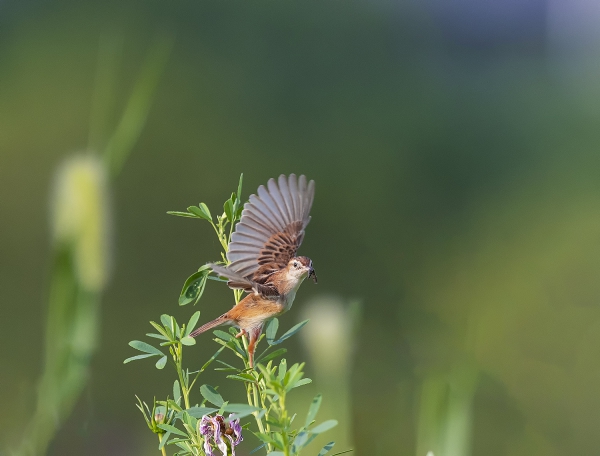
458	198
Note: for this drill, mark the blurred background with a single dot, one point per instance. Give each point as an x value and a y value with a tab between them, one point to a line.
455	232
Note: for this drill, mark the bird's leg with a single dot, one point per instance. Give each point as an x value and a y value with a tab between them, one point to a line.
254	335
241	333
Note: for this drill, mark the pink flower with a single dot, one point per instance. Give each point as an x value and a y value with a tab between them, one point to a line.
216	430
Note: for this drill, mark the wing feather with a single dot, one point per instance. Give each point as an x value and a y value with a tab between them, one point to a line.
270	230
293	187
243	283
271	205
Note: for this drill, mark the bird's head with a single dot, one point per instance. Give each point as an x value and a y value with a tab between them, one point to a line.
301	267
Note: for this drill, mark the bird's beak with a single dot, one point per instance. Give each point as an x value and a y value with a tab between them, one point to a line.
311	273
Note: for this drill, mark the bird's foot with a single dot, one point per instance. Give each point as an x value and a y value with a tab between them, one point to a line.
241	333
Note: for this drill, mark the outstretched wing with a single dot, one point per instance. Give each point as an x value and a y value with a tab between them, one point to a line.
271	229
244	283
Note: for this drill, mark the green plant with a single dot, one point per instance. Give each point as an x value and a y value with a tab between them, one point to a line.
197	427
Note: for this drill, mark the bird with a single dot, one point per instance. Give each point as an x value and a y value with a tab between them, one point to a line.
262	257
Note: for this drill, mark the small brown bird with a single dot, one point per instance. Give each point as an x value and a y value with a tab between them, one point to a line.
262	252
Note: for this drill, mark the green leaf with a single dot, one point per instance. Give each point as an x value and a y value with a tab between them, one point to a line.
326	449
196	211
144	347
290	332
192	323
270	356
240	410
133	358
163	441
172	429
157	336
228	367
271	330
193	288
206	213
242	378
276	453
264	437
211	395
166	321
161	330
282	370
300	441
257	448
313	409
181	214
161	363
199	412
324	426
239	189
222	409
302	382
212	358
223	335
176	391
187	340
228	209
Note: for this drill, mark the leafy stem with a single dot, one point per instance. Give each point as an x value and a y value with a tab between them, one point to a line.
192	428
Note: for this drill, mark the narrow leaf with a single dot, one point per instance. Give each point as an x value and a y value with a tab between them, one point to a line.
211	395
240	410
242	378
326	449
192	323
172	429
290	333
187	340
199	412
228	209
271	330
223	335
257	448
212	358
206	213
144	347
176	391
304	381
196	211
324	426
164	440
270	356
300	441
133	358
313	409
193	288
166	320
239	189
181	214
161	363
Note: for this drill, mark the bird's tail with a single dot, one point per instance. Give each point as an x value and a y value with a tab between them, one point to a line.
210	325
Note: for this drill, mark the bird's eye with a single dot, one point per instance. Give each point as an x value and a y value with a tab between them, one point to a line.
295	264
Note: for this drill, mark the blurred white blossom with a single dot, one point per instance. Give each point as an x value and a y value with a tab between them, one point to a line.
80	217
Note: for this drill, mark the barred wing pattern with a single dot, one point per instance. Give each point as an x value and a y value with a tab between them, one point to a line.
270	230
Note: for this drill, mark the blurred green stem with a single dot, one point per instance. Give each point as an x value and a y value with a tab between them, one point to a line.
136	112
71	337
74	298
160	439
